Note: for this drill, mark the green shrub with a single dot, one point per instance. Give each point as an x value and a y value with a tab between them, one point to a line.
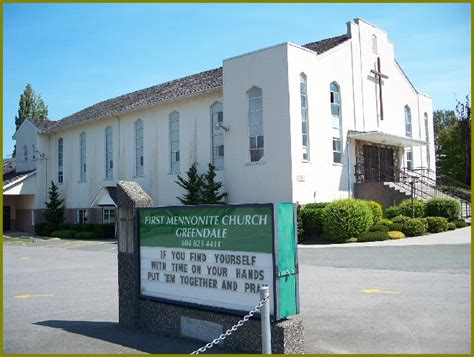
372	236
460	223
451	226
392	211
312	221
385	222
64	234
414	227
86	235
406	208
396	227
69	227
299	223
104	231
378	228
425	222
44	228
346	218
316	205
395	235
448	208
85	227
400	219
437	224
376	209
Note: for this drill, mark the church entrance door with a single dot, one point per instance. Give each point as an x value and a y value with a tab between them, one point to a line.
378	163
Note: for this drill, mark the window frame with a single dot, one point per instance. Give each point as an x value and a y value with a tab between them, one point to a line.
217	116
408	122
82	215
174	155
82	157
255	124
106	211
304	118
109	154
335	101
60	160
139	151
375	49
25	153
409	161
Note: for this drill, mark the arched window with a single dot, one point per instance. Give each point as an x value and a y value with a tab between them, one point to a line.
174	142
60	160
33	151
374	44
82	157
408	131
109	162
25	153
336	122
217	135
256	138
139	157
427	132
304	116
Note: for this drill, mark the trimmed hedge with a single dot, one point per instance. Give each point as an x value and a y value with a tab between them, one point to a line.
396	227
392	211
460	223
448	208
451	226
315	205
312	222
64	234
406	208
385	222
44	228
437	224
414	227
400	219
378	228
376	209
372	236
346	218
395	235
86	235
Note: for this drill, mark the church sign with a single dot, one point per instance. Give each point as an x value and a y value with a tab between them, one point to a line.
218	257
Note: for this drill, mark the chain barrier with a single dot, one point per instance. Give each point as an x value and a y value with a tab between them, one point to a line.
234	328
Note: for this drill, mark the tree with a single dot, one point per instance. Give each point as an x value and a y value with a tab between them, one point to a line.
54	207
193	186
463	112
210	190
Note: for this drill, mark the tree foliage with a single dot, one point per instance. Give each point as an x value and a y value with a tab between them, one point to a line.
200	189
54	207
31	106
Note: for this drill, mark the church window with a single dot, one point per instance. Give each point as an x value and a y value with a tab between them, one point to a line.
304	116
256	138
108	215
82	216
408	131
25	153
82	157
409	158
33	152
374	44
217	139
427	133
139	148
60	160
174	142
109	163
336	122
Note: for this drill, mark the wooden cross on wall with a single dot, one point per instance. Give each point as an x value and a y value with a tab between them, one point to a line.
378	73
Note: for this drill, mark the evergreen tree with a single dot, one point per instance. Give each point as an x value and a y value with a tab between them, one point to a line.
30	106
211	188
54	207
463	112
193	186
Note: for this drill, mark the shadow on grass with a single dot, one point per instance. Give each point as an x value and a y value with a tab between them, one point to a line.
112	332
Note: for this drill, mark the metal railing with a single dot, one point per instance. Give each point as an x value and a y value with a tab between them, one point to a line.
420	183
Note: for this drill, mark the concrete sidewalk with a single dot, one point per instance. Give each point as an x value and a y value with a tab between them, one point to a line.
458	236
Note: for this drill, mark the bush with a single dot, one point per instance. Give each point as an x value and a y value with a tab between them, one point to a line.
437	224
385	222
68	227
312	221
44	228
414	227
392	211
400	219
395	235
378	228
448	208
451	226
372	236
64	234
104	230
425	222
86	235
346	218
316	205
396	227
376	209
299	223
461	223
84	227
406	208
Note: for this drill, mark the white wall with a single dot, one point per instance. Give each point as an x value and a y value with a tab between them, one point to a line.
270	179
25	135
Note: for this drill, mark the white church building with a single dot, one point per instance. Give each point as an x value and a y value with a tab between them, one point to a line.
287	123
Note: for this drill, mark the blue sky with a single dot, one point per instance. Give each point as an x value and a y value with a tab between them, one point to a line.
76	55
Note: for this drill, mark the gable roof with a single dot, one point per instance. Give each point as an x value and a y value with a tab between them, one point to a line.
43	125
14	176
199	83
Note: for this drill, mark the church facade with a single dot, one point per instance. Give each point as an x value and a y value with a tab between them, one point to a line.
287	123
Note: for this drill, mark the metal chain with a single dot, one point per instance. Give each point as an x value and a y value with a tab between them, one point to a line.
234	328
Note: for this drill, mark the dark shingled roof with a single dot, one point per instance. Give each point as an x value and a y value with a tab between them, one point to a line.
179	88
13	176
43	125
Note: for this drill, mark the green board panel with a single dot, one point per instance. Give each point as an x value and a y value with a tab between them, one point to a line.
288	278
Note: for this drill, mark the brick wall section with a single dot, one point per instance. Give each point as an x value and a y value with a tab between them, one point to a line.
377	191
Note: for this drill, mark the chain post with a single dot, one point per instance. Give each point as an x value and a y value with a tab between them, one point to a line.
265	321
